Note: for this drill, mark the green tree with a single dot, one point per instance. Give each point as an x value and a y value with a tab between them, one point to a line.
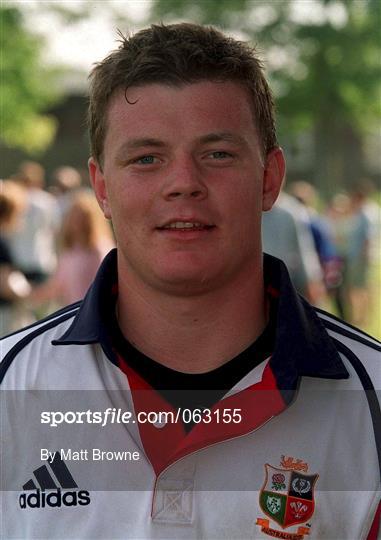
324	67
26	88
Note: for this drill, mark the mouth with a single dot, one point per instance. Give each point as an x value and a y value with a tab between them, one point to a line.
186	226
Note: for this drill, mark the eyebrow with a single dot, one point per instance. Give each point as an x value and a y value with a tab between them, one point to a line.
145	141
135	144
223	136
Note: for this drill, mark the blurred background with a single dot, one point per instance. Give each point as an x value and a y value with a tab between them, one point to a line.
323	60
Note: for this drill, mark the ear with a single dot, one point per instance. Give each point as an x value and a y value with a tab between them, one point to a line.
99	186
273	177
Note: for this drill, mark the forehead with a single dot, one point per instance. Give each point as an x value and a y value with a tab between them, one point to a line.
179	111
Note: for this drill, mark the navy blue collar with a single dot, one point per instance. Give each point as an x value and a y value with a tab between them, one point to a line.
302	346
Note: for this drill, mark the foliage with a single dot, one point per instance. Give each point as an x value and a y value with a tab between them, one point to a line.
323	59
26	88
341	58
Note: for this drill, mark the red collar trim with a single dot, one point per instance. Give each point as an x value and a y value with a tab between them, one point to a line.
233	416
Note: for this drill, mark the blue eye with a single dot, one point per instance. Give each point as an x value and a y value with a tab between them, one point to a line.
146	160
220	155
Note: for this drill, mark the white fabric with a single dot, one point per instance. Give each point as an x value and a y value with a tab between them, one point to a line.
211	493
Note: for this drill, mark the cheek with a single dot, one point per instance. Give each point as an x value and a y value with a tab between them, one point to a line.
247	212
130	213
121	201
246	200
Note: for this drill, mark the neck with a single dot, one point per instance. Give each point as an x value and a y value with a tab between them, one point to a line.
193	334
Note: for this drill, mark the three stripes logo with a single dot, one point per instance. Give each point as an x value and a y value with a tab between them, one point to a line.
55	497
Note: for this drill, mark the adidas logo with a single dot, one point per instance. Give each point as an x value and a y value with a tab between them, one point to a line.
54	499
61	479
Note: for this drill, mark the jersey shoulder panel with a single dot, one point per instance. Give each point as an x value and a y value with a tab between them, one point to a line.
40	334
362	357
22	331
362	351
331	322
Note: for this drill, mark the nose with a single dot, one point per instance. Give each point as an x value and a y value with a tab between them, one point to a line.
184	180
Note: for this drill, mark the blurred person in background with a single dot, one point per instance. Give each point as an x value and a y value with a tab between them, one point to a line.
367	193
33	244
85	238
280	238
66	181
330	261
13	284
359	257
286	234
350	228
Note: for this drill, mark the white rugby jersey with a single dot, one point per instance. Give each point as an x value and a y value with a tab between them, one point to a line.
291	451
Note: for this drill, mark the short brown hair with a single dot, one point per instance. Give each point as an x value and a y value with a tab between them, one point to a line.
179	54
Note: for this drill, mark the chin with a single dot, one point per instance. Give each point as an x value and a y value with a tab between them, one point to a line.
188	281
200	275
185	277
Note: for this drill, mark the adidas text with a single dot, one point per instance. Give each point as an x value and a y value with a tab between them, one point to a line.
55	499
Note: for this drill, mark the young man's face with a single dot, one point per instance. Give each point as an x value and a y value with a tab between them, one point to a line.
184	183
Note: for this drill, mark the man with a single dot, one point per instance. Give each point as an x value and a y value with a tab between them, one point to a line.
286	234
267	430
33	243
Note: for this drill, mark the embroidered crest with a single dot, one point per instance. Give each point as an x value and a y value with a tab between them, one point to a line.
287	498
295	464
